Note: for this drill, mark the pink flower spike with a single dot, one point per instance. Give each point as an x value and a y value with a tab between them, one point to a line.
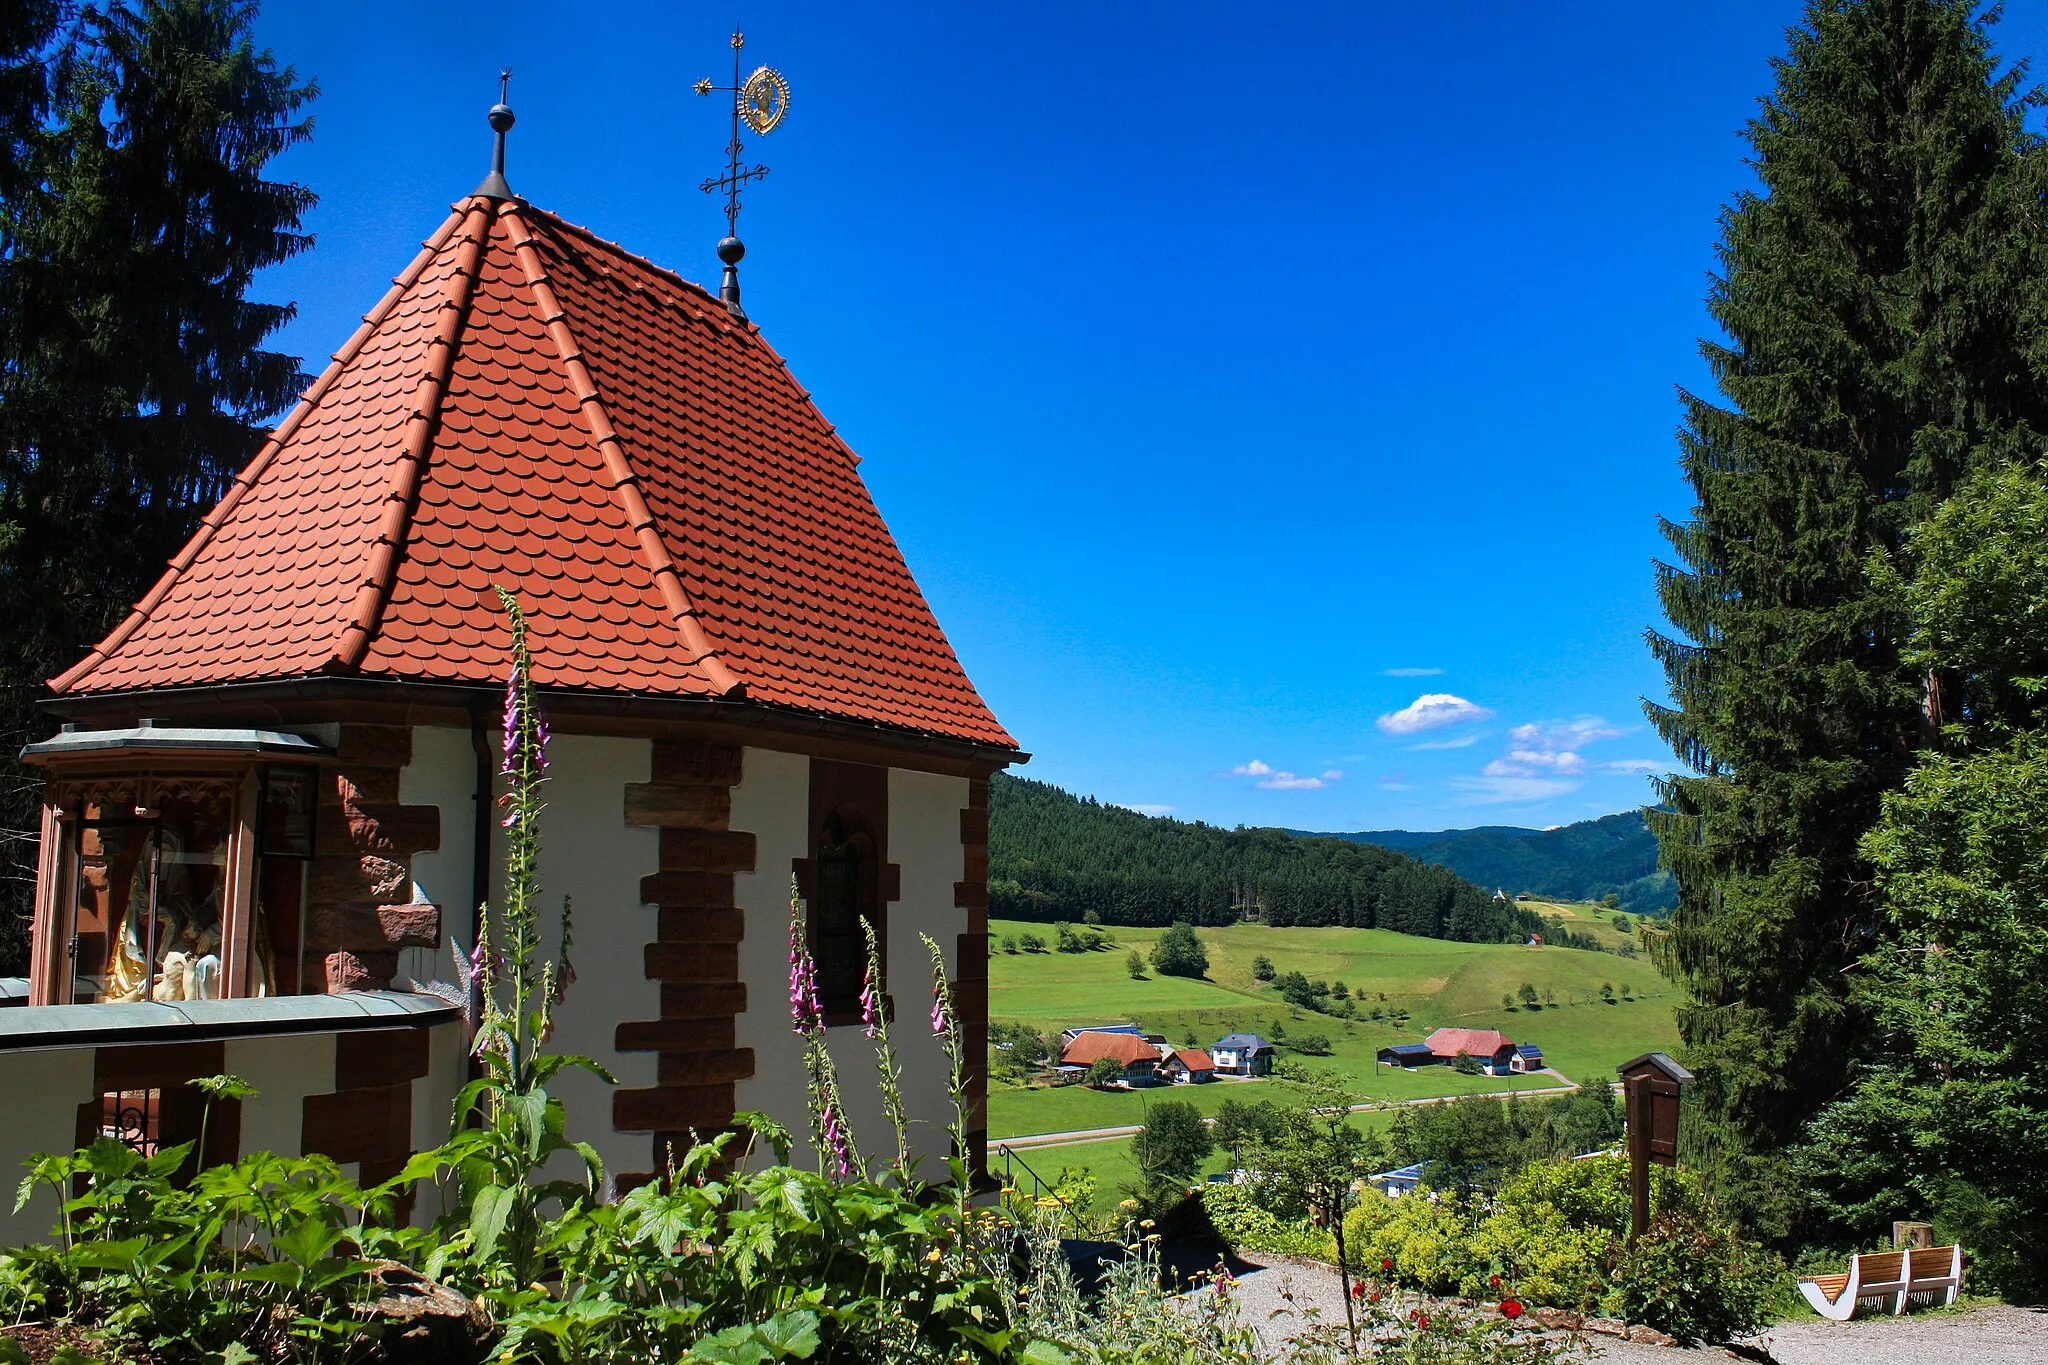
870	1004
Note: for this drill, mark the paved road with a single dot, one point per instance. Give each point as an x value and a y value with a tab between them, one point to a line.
1033	1141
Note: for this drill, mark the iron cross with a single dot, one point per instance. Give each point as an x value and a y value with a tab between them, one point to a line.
759	101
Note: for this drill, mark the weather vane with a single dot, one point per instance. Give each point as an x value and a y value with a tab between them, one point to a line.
759	101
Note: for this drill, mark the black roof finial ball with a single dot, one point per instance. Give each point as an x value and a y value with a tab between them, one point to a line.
501	118
731	249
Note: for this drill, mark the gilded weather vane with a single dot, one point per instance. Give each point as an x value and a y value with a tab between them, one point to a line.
759	101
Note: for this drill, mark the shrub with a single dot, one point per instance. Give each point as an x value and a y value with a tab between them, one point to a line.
1244	1226
1310	1044
1134	963
1180	953
1032	943
1426	1239
1262	967
1696	1278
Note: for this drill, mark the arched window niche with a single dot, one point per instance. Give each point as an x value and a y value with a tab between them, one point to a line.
175	865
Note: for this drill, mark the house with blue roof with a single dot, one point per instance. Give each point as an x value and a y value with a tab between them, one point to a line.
1242	1055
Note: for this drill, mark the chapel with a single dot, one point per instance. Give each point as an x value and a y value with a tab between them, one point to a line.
276	777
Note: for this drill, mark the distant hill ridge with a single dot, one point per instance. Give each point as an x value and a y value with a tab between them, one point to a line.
1056	856
1615	854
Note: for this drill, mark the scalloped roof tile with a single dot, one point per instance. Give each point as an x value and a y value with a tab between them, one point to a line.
533	406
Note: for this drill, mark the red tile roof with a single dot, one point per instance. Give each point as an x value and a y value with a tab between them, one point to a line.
1194	1059
532	406
1125	1047
1473	1042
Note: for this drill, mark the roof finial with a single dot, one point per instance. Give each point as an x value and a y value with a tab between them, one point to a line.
759	101
494	186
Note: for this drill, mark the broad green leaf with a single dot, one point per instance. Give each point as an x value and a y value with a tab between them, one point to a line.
487	1217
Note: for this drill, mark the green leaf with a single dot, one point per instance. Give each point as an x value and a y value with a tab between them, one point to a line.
487	1217
307	1240
236	1354
1043	1353
790	1334
11	1352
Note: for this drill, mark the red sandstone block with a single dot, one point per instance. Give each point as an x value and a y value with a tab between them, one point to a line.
374	1124
704	1068
692	962
410	926
365	971
676	1035
378	1057
700	924
667	1108
687	888
706	850
678	805
974	827
682	760
386	745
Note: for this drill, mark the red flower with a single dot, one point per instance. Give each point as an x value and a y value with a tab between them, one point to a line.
1493	1280
1386	1263
1510	1309
1421	1318
1374	1297
1358	1290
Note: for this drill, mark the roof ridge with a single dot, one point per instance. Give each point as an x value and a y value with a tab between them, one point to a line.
246	479
625	486
726	324
389	547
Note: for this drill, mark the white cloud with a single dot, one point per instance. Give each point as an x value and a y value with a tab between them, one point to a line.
1493	789
1251	769
1432	711
1147	810
1454	742
1411	672
1288	782
1636	766
1550	746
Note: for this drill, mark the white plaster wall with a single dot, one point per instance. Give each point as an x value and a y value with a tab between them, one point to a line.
924	842
590	854
442	773
433	1106
773	803
284	1071
39	1097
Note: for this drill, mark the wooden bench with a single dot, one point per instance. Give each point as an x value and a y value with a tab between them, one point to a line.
1894	1275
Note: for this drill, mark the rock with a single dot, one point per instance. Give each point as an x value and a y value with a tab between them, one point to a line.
1650	1336
1607	1327
419	1322
1558	1319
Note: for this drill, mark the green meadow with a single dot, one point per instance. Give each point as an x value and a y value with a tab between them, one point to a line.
1437	982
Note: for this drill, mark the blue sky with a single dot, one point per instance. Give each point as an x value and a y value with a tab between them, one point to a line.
1275	403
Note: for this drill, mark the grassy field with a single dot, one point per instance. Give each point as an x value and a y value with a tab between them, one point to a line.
1437	982
1111	1163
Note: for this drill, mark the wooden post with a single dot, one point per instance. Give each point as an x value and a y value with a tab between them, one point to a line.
1650	1090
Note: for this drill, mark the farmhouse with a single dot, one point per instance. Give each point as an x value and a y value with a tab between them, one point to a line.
1243	1054
1139	1059
1493	1050
271	809
1188	1066
1528	1057
1409	1055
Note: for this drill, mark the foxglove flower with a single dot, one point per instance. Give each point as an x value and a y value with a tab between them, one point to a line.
804	1012
870	1004
939	1020
835	1138
511	722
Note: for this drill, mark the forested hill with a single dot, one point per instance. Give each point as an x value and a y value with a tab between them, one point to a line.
1055	856
1615	854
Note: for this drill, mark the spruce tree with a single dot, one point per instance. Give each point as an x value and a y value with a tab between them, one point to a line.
1878	299
134	214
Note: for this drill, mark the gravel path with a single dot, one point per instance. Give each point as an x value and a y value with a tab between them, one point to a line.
1994	1335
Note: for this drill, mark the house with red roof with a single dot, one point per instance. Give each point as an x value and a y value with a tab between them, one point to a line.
1138	1058
1492	1049
271	807
1188	1066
